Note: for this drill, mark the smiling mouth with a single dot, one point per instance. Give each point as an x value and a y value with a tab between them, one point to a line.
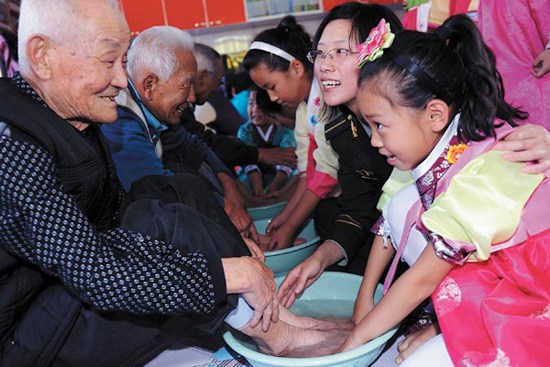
182	108
110	99
327	84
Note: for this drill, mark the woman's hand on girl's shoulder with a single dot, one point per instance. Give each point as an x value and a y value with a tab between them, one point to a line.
530	144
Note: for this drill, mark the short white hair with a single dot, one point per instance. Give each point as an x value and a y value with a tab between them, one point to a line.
55	19
207	58
155	49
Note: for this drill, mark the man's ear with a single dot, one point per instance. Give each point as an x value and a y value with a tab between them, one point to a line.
437	114
149	84
39	54
296	68
200	77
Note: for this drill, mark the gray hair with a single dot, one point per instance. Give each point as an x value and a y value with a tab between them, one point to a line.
207	58
54	19
155	49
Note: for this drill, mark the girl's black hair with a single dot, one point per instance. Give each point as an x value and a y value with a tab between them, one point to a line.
289	36
265	104
363	17
453	64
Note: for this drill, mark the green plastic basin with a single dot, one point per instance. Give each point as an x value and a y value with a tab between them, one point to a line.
333	294
282	261
266	212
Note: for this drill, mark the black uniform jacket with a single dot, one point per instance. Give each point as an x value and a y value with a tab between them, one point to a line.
362	173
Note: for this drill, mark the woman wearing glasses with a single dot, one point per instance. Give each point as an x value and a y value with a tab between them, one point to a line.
344	222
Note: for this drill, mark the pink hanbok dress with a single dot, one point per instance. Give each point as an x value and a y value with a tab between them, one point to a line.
517	31
494	224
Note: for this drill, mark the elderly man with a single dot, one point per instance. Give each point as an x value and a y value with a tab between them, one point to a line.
231	151
76	289
160	88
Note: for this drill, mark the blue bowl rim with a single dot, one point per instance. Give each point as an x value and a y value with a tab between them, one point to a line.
313	241
311	361
267	207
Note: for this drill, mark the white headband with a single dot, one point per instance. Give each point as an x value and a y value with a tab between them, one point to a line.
256	45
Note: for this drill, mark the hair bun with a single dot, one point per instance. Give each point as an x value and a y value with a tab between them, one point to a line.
289	24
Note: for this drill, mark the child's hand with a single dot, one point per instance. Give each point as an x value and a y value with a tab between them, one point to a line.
541	65
258	192
298	279
363	305
349	344
281	238
276	223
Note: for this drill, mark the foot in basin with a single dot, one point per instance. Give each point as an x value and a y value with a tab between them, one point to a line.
284	339
305	322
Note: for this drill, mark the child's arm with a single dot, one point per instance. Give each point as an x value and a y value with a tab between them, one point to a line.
379	258
283	227
278	181
413	287
256	183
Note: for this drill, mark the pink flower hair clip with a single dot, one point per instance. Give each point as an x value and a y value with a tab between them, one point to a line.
380	38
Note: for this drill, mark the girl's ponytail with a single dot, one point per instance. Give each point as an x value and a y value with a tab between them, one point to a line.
483	93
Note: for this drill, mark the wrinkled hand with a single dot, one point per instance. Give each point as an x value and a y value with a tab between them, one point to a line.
541	64
254	249
241	219
413	341
529	143
261	296
298	279
274	156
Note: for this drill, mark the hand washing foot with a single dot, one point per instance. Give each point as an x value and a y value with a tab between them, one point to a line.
284	339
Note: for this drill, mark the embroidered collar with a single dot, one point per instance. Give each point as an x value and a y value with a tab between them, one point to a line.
428	173
265	136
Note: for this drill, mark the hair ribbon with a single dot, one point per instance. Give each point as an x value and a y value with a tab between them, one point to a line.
263	46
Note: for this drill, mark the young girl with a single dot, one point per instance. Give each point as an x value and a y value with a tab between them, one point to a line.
262	131
486	258
345	222
277	63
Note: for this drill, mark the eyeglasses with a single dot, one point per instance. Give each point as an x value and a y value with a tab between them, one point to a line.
335	54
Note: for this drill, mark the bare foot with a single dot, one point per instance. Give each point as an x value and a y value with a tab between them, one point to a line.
305	322
284	339
413	341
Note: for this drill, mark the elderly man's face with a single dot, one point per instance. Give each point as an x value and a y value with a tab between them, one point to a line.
169	98
89	71
209	83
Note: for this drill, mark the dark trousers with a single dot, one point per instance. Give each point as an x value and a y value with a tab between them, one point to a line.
181	210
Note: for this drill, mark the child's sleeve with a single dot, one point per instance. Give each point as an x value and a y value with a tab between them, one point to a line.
286	138
245	133
397	180
302	138
325	157
482	206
